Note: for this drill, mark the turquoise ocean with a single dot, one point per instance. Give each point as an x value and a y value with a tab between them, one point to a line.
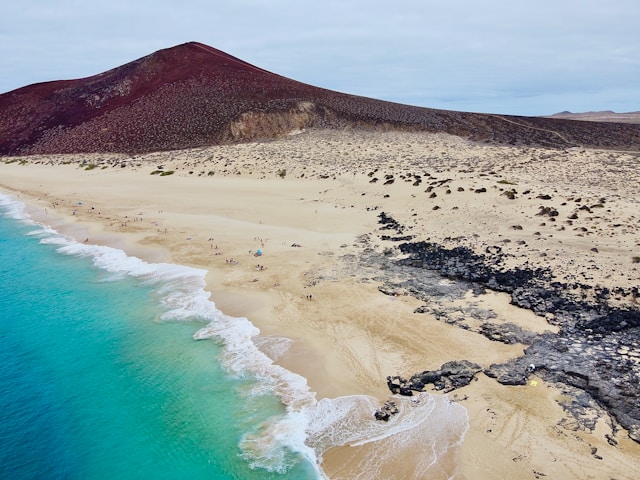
111	367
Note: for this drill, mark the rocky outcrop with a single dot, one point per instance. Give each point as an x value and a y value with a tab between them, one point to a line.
607	367
386	411
574	305
450	376
507	333
596	350
464	264
399	385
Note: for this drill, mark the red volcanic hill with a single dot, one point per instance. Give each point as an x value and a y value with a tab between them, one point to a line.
193	95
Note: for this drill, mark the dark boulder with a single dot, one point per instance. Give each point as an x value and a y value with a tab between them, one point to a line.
450	376
385	412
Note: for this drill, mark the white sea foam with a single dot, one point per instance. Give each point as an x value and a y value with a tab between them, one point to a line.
13	208
424	430
270	446
272	346
309	427
350	420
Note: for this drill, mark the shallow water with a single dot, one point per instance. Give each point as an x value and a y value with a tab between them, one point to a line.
100	376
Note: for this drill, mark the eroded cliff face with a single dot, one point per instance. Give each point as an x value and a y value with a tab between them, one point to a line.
270	124
259	125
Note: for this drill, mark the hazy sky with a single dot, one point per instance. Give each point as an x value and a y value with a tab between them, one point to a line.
523	57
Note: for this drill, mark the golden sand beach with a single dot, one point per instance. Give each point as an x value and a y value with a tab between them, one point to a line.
310	203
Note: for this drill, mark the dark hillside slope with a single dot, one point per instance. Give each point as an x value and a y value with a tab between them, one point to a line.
193	95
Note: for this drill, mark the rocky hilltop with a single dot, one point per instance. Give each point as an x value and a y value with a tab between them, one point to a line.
193	95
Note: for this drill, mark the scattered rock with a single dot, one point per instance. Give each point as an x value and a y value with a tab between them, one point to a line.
385	412
548	211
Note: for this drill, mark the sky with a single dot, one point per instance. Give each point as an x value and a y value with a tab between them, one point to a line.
519	57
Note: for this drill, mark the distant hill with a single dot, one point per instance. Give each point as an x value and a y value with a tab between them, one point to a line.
603	116
193	95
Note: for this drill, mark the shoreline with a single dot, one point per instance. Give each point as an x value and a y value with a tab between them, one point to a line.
326	207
